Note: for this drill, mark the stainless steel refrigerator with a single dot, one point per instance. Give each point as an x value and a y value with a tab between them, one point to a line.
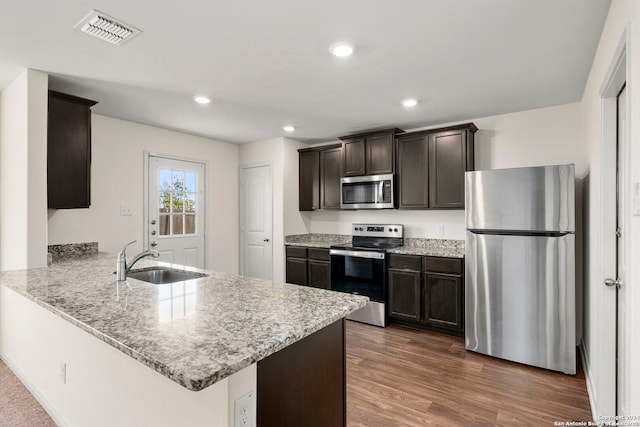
520	265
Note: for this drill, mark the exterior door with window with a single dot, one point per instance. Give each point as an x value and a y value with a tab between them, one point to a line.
176	211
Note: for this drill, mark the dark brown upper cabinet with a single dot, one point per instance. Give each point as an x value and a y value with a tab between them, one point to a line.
369	154
69	151
319	177
330	173
431	167
308	179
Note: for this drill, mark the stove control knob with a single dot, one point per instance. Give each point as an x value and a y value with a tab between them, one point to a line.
356	228
360	228
390	230
395	229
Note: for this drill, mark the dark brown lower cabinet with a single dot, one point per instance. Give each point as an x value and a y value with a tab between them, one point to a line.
444	301
308	266
305	384
427	292
404	294
296	265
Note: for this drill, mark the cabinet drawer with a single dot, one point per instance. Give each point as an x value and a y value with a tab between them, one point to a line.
321	254
443	265
296	251
407	262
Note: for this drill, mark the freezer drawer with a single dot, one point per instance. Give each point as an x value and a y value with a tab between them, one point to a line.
525	199
520	299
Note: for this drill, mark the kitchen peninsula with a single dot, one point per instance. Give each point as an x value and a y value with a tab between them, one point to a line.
212	340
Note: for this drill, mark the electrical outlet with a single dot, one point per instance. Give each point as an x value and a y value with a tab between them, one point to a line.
63	372
126	210
440	230
243	411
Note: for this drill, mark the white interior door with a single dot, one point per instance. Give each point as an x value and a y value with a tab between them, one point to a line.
623	356
256	257
176	211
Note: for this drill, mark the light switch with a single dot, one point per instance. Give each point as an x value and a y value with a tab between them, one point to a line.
636	198
126	210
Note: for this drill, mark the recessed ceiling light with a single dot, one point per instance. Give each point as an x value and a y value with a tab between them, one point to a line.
201	99
288	128
409	102
341	49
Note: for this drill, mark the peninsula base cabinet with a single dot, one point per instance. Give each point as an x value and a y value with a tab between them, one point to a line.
427	292
305	384
308	266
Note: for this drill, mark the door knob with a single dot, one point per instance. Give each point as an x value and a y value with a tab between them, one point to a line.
154	244
265	240
613	283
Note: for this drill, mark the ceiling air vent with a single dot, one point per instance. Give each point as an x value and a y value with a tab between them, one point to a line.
106	28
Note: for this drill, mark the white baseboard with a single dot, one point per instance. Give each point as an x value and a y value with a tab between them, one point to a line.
46	405
587	375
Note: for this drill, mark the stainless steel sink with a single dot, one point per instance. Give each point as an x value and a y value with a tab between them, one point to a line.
163	275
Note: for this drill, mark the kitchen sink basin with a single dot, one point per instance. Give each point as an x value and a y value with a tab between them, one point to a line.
164	275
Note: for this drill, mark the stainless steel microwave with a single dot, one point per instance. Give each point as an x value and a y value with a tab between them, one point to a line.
367	192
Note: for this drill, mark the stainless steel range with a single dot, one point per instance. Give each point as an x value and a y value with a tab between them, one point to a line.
361	268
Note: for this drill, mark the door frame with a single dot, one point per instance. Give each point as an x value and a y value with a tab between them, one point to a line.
618	74
145	189
241	212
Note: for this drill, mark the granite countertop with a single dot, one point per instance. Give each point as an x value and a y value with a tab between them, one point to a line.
315	240
195	332
412	246
431	247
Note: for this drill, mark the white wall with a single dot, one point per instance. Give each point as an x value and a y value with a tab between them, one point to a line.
23	172
528	138
117	179
599	323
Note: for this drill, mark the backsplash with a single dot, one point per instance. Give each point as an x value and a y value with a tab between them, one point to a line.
72	249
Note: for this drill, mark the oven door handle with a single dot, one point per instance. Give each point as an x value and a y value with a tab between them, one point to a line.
357	254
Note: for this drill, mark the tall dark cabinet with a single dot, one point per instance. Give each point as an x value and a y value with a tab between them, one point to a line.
319	177
69	151
431	167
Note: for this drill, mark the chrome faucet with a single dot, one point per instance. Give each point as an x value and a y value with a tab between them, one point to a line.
122	267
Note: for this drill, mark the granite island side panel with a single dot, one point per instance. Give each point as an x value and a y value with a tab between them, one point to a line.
195	332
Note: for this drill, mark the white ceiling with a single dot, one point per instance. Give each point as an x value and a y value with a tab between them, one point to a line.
266	63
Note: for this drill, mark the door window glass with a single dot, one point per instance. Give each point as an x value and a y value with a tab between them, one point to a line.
177	202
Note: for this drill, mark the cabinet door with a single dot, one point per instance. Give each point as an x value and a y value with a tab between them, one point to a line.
447	164
68	152
309	177
413	177
330	174
443	301
354	154
319	274
379	154
297	271
404	294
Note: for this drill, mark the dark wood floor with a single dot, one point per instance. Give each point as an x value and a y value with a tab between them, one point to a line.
405	377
